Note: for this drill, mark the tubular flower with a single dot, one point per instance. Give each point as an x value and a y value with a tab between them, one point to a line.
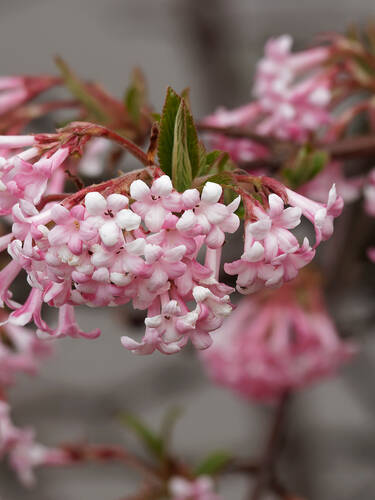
276	342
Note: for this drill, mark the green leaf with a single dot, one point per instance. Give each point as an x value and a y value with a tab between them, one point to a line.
213	463
307	164
167	425
149	438
156	117
135	96
166	135
181	165
178	141
79	90
192	142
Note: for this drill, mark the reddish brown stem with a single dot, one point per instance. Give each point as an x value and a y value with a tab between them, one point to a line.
363	146
267	464
91	129
83	452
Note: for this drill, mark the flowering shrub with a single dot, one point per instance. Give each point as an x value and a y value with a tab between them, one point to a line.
154	237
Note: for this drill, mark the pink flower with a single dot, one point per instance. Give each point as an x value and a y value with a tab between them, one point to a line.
22	180
155	203
320	215
273	343
201	488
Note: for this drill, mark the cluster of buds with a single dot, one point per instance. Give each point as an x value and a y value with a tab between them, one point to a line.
130	240
276	342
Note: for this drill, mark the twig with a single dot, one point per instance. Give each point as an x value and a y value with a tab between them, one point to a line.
267	464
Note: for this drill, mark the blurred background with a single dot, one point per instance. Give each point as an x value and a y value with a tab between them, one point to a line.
211	46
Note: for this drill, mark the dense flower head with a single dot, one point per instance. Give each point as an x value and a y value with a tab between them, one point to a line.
109	250
201	488
275	342
142	244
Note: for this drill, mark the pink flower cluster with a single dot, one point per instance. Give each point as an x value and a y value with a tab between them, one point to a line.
106	252
293	93
292	90
201	488
273	343
272	254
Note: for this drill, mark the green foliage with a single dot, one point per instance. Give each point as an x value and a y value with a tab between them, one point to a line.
135	96
150	439
213	463
156	442
307	164
80	91
181	165
166	135
178	149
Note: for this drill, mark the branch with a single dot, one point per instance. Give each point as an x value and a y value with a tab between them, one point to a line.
94	130
363	146
265	472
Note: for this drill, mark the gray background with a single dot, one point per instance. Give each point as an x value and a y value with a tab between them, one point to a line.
210	46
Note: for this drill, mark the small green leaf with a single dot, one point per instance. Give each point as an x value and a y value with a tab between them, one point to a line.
79	90
213	463
307	164
181	165
149	438
166	134
167	425
135	96
156	117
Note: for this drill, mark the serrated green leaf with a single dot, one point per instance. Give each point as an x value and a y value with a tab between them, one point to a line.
181	165
150	439
213	463
166	134
174	129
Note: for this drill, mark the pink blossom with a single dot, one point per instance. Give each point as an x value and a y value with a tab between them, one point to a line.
272	343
